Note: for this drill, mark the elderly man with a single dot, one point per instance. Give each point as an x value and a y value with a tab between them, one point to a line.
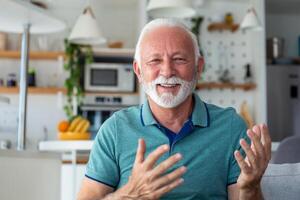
174	146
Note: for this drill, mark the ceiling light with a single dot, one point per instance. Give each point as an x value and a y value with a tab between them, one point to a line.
86	30
171	8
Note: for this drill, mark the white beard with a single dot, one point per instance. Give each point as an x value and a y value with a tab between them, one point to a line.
167	99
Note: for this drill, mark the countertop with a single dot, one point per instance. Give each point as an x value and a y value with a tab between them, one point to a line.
84	145
66	146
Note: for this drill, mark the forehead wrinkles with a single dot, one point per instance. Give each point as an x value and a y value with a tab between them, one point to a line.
162	37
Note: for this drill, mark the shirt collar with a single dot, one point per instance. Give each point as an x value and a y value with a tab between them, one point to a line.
200	115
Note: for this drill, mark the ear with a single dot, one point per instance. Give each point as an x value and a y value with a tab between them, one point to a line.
137	70
200	66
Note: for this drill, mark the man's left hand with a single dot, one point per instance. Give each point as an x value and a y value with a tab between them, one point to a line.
257	158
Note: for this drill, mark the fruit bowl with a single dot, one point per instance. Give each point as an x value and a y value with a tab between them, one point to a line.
74	135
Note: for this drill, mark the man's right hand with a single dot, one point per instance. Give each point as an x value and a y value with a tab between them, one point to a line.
148	181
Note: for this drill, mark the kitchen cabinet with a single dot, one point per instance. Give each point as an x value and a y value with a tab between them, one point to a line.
72	174
283	87
29	175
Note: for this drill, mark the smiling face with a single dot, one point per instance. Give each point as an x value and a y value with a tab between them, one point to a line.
168	70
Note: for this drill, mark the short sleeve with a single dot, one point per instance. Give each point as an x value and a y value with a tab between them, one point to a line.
238	131
102	165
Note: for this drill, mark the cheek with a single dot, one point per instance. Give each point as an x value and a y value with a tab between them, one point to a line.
150	74
187	74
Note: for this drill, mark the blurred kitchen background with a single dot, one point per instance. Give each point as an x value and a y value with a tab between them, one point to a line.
254	70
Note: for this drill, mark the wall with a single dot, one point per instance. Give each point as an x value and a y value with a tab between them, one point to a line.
239	48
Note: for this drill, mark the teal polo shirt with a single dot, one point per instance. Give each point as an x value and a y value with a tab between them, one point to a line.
207	149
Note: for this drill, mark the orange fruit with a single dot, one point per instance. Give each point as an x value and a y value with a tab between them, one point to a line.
63	126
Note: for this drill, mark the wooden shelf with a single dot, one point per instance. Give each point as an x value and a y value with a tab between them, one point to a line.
215	85
123	52
222	27
32	90
34	55
113	93
54	90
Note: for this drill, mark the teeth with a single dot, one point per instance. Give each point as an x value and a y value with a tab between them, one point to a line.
168	85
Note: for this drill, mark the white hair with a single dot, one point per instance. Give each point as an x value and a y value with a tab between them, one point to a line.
164	22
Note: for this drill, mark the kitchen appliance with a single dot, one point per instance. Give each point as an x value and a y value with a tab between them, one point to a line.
275	48
97	108
283	101
110	74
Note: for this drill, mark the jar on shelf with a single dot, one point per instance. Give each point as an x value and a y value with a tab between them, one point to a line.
11	80
228	18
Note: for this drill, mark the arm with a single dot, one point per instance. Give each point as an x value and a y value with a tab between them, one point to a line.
233	193
147	181
253	166
91	189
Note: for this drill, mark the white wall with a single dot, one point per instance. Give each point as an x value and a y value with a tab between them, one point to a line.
241	48
29	175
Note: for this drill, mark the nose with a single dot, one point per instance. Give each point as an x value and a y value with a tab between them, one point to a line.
167	69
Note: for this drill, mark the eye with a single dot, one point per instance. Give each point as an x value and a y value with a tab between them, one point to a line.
180	60
154	61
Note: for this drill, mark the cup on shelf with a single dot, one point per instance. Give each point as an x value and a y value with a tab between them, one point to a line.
43	43
11	80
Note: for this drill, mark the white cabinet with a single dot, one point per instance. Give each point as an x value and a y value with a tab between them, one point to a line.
67	179
72	174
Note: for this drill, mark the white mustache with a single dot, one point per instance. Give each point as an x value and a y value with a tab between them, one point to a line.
163	80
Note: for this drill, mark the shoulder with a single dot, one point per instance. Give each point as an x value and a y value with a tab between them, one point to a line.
227	115
120	119
127	113
217	111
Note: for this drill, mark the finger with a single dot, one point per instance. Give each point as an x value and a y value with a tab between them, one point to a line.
155	155
267	141
256	129
166	179
259	149
249	153
158	193
165	165
139	157
241	162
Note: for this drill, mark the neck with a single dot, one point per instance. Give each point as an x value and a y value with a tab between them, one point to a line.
172	118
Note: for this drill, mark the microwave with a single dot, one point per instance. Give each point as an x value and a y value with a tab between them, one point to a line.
109	77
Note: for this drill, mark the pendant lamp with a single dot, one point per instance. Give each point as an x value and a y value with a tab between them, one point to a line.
251	21
171	8
86	30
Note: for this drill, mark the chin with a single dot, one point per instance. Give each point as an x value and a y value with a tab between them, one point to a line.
168	100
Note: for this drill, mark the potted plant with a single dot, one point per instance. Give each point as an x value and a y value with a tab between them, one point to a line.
76	58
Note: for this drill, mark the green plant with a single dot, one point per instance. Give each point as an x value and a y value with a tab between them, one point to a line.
76	58
196	24
31	70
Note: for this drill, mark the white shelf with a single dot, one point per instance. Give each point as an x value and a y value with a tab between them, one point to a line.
66	146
